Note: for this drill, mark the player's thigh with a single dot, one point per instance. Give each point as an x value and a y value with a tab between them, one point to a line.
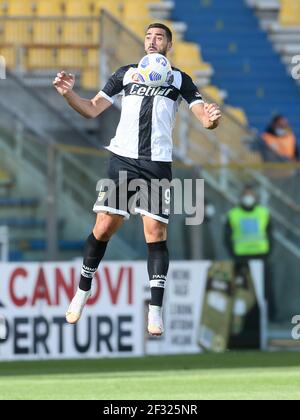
155	199
154	230
106	225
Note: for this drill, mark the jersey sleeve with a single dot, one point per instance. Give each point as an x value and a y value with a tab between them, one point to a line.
189	91
114	85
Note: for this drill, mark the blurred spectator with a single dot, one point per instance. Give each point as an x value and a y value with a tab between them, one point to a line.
248	228
248	236
279	141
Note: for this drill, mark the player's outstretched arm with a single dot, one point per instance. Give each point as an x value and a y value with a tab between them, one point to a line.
89	108
208	114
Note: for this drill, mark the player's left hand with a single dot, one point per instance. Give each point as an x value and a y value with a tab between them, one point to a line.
212	112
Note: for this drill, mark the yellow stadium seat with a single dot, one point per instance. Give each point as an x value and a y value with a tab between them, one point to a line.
17	32
213	92
46	8
187	51
48	32
90	79
238	113
137	13
138	7
289	12
134	11
9	55
114	7
93	57
20	7
3	7
7	180
38	58
79	8
2	34
81	32
187	57
71	58
190	62
4	175
192	71
138	28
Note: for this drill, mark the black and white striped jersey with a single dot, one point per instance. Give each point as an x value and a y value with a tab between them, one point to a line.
148	114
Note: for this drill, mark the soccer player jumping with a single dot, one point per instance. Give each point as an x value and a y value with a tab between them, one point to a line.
142	147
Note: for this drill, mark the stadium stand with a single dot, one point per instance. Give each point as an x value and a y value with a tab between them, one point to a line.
41	245
79	8
289	13
242	56
19	202
46	8
266	10
6	181
275	17
68	24
24	163
23	223
18	7
67	33
22	220
22	216
284	32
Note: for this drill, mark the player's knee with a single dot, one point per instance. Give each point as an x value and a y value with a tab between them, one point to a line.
105	227
156	232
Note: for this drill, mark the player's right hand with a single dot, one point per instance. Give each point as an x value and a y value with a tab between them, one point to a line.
64	82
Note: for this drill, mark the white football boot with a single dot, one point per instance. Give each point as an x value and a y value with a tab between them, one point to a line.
155	322
75	309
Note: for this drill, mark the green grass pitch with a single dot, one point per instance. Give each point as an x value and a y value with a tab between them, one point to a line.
244	375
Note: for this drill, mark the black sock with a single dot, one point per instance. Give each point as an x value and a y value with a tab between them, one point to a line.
93	253
158	265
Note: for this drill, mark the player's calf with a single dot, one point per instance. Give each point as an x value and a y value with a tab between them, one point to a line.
158	264
93	254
